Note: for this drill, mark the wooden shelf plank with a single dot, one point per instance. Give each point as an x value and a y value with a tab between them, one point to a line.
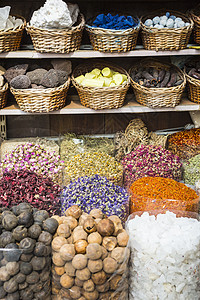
131	106
138	52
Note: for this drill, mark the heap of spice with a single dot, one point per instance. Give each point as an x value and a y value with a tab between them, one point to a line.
150	160
26	186
91	163
34	158
91	192
158	193
73	144
185	144
191	170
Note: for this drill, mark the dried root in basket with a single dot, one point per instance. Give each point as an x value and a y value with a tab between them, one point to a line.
156	78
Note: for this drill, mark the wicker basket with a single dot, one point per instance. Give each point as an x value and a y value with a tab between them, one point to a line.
57	41
100	98
193	88
3	95
10	40
158	97
166	39
41	100
195	15
107	40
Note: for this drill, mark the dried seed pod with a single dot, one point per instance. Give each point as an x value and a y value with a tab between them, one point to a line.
91	295
99	277
58	242
109	265
89	225
79	282
75	292
40	249
94	237
26	218
117	224
79	261
9	221
109	242
69	269
38	263
34	231
118	254
82	219
96	213
59	270
4	275
45	237
122	239
64	230
10	286
80	246
50	225
57	260
27	245
66	281
12	268
6	238
71	221
88	285
114	282
74	211
32	278
105	227
67	252
25	268
79	235
94	251
20	232
103	287
95	265
83	274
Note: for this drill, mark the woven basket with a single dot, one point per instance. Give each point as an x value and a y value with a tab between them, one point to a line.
41	100
3	95
165	39
100	98
158	97
107	40
193	88
10	40
57	41
195	15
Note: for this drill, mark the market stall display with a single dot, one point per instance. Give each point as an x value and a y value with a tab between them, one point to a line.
174	35
56	27
158	193
92	163
150	160
195	15
90	257
157	84
191	170
90	192
164	256
25	253
184	144
110	33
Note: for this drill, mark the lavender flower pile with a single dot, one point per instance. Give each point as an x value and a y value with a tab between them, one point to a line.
149	160
90	192
34	158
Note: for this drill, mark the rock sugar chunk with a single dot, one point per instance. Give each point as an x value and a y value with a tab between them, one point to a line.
20	82
36	76
15	71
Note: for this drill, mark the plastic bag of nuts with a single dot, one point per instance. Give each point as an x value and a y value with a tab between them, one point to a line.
25	253
90	257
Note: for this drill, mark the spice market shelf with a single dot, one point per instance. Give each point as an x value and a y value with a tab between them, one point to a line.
138	52
131	106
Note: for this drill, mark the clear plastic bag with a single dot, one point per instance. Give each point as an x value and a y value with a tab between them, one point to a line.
164	255
88	262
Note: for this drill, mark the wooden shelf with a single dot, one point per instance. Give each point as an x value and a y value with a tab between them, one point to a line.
138	52
131	106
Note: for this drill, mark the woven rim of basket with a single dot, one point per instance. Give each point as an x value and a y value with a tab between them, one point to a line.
4	87
44	92
166	30
79	27
17	29
84	68
154	63
191	79
195	15
99	30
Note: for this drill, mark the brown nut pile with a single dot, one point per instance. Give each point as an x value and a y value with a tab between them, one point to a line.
90	257
155	78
